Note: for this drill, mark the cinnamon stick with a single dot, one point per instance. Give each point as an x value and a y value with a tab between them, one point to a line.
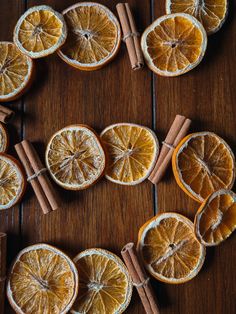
177	132
130	35
3	250
140	279
5	114
37	176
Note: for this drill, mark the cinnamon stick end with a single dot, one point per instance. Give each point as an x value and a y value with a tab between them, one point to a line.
127	247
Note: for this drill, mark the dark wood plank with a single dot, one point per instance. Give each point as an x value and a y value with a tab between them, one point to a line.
106	215
207	95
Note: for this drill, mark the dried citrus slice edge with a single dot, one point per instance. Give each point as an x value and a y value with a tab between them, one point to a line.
56	251
4	137
201	210
177	174
20	175
100	148
102	62
150	28
154	222
155	154
119	263
47	51
214	30
18	92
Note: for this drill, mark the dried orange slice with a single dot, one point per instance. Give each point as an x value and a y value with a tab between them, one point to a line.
42	280
94	36
211	13
203	163
169	249
216	218
15	71
105	284
12	181
174	44
75	157
40	31
132	151
4	141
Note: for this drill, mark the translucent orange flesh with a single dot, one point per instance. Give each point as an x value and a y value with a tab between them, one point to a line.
42	282
174	44
10	184
206	165
14	67
103	286
131	151
218	219
209	12
92	34
75	157
171	249
3	139
40	30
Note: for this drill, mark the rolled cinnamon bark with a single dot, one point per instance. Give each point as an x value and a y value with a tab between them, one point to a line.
5	114
140	279
37	176
130	35
3	250
177	132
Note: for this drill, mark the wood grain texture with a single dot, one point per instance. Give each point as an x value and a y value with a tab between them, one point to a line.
207	96
108	215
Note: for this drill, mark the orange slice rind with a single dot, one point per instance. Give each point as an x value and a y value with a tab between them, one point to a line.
174	44
203	163
4	139
94	36
40	31
132	152
75	157
105	284
211	13
42	280
15	71
169	249
216	218
12	181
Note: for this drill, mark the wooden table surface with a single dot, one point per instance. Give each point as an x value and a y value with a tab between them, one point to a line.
108	215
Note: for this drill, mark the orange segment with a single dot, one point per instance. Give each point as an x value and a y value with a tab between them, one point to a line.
15	71
216	218
40	31
12	181
132	151
94	36
211	13
105	284
75	157
42	280
169	248
3	139
203	163
174	44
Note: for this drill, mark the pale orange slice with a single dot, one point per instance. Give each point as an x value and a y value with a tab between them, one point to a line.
211	13
132	152
40	31
174	44
42	280
169	249
12	181
15	72
203	163
75	157
4	139
216	218
105	284
94	36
